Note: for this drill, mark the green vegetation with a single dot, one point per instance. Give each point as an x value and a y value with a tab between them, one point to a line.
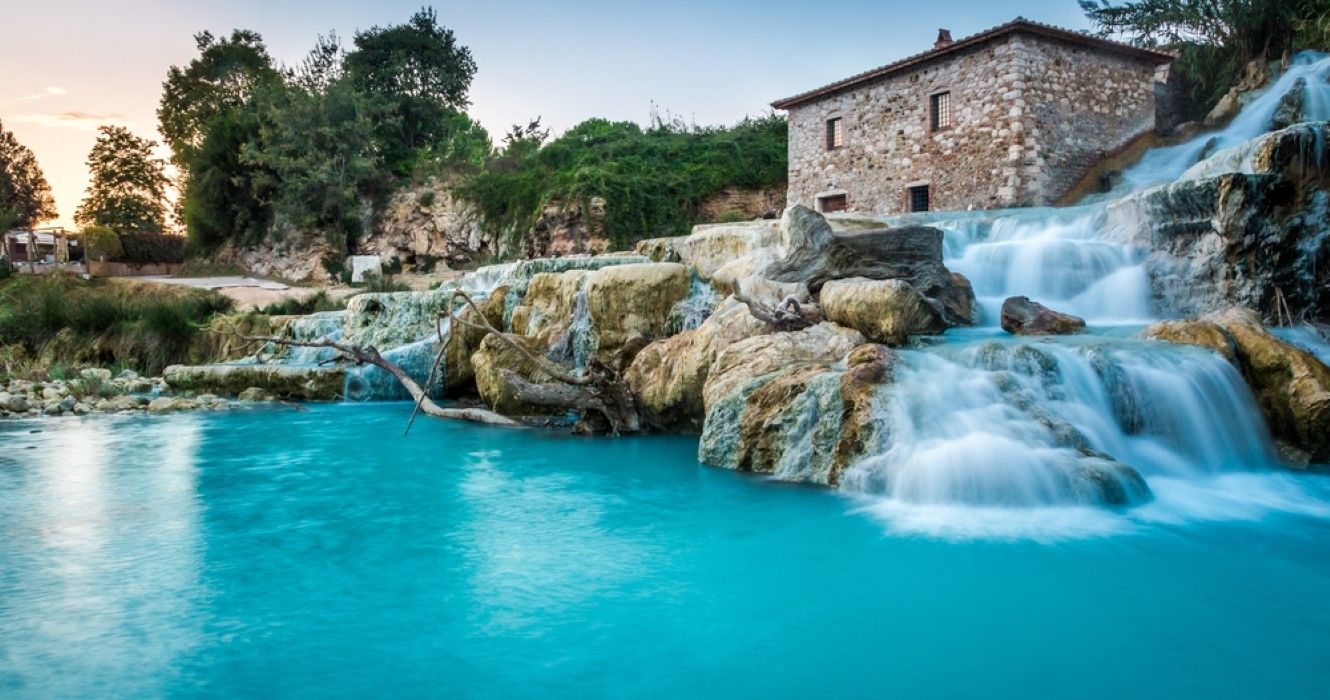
128	189
294	306
25	196
653	180
320	146
64	320
1215	39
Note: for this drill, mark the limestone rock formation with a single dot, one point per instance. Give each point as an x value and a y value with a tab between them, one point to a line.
1022	316
885	311
425	225
750	359
463	341
630	305
1245	227
668	375
1291	386
492	359
286	381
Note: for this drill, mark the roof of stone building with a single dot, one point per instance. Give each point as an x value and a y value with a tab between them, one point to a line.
1018	25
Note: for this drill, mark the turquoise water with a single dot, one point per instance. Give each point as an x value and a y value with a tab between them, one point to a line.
321	554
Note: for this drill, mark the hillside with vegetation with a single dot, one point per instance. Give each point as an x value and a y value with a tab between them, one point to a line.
266	152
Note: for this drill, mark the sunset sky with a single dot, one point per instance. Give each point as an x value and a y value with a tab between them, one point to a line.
68	66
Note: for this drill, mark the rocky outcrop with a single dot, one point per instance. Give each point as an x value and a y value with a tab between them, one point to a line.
1291	386
667	377
721	253
563	228
630	305
805	422
463	340
813	253
285	381
1022	316
424	226
885	311
1246	227
736	203
492	359
290	255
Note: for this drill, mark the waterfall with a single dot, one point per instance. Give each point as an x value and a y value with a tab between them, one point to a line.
689	313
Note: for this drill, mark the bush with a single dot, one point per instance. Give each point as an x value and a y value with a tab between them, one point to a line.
101	243
380	284
652	180
140	248
6	268
314	303
103	322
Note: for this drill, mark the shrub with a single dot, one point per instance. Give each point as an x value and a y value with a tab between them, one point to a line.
101	243
140	248
380	284
314	303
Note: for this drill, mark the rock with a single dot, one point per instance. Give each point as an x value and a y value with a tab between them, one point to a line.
424	225
748	359
667	377
805	423
712	247
128	403
81	409
126	375
67	404
1022	316
1289	111
53	393
1246	227
1291	386
52	408
489	362
140	386
363	266
166	404
96	375
563	228
630	306
254	393
885	311
463	341
286	381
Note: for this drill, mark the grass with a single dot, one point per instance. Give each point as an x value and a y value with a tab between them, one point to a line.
59	321
314	303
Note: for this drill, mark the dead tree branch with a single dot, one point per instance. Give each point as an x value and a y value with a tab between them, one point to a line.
788	315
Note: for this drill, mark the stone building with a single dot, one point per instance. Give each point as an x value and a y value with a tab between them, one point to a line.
1013	116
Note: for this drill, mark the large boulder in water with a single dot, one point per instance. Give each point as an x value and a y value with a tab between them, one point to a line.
493	358
1022	316
463	340
805	423
885	311
749	359
1291	386
667	376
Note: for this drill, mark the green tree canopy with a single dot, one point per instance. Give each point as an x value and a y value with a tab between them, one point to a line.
128	189
420	72
25	196
222	78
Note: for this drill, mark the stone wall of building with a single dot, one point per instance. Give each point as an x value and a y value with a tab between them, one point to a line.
1018	102
1081	105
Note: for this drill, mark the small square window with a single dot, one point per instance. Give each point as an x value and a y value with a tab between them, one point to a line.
939	111
835	134
918	198
834	202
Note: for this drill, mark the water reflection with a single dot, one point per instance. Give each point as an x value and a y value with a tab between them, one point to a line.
101	544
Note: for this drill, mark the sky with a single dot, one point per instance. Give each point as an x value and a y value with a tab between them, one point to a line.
68	66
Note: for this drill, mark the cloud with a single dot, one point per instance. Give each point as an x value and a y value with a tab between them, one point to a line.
51	91
83	121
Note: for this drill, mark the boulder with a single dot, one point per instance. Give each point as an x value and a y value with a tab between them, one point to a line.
885	311
805	423
15	404
463	341
96	375
749	359
1291	386
668	375
254	393
1022	316
492	358
630	305
286	381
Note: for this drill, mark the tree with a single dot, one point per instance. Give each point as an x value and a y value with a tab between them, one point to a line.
223	78
420	72
1214	39
25	196
128	189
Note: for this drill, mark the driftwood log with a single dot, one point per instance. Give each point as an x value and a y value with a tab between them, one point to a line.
788	315
371	356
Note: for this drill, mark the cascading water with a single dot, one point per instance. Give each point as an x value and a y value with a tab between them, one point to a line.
986	425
